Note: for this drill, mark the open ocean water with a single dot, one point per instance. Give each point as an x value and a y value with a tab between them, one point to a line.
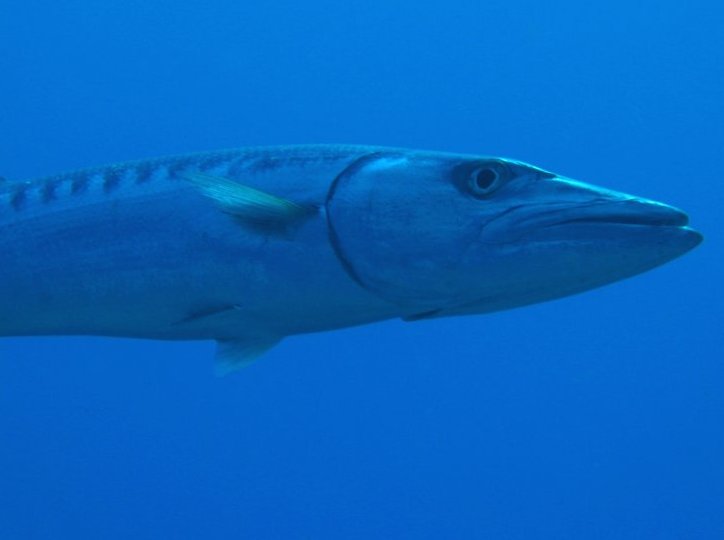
599	416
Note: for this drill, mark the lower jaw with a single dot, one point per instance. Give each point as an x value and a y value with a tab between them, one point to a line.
596	230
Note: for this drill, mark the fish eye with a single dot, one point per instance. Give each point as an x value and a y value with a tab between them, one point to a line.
485	180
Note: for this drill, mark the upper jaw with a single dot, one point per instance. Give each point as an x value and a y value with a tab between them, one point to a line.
630	211
560	202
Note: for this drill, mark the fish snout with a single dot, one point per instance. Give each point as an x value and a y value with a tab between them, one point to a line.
622	211
572	209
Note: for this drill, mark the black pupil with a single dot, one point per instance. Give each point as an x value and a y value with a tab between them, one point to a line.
485	178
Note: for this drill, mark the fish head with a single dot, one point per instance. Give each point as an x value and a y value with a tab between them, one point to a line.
443	234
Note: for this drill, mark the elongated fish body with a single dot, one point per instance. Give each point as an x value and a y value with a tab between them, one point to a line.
249	246
134	250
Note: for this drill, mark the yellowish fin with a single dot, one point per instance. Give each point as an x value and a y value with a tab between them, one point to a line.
248	204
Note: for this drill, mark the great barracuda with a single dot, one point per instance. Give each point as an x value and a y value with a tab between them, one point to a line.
248	246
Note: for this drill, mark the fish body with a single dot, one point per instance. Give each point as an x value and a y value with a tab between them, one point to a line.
249	246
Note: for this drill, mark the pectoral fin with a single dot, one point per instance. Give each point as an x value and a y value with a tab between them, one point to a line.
247	204
232	355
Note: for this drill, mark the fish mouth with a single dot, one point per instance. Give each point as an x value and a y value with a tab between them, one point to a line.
624	236
634	212
629	218
592	219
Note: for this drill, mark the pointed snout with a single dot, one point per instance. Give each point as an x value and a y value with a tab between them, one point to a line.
568	208
581	203
631	211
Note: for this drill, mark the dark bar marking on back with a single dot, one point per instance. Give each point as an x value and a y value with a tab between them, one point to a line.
79	185
143	174
19	198
48	191
213	161
175	170
111	180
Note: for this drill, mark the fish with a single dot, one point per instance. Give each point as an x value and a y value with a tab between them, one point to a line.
249	246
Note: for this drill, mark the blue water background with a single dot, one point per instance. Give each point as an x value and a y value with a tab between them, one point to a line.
597	416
